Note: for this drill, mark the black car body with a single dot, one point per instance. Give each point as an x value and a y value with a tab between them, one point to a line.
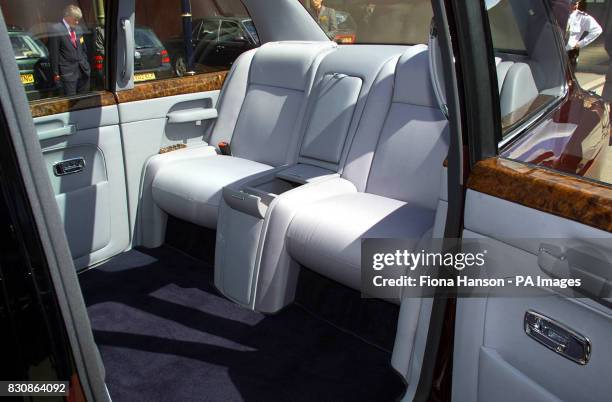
216	43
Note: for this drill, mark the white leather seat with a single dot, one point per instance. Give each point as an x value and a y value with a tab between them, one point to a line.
397	173
261	111
326	236
516	86
190	189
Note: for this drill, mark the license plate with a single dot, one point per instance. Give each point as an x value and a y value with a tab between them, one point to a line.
27	79
144	77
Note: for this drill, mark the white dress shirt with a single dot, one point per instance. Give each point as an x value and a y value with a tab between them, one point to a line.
578	23
66	25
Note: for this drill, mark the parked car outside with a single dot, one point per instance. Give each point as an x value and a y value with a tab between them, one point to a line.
151	60
216	43
32	58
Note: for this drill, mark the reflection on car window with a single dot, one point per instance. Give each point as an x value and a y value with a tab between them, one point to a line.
250	27
24	47
547	118
216	34
145	38
504	31
529	63
355	21
230	31
56	47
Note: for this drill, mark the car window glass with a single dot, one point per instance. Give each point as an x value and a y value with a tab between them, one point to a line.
209	30
186	40
250	27
230	31
547	118
504	31
51	63
528	59
355	21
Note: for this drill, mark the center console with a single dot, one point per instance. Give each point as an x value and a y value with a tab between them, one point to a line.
242	225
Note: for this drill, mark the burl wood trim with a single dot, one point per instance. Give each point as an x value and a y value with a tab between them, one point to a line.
46	107
539	188
173	86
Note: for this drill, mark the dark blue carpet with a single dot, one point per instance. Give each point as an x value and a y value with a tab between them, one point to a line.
165	334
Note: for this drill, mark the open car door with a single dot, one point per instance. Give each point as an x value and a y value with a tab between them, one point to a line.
543	211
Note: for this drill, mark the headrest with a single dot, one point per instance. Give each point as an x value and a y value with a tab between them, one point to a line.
412	80
502	69
518	90
286	64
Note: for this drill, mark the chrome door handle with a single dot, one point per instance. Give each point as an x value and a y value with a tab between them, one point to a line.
557	337
69	166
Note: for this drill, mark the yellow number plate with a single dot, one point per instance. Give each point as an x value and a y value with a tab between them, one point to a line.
27	79
144	77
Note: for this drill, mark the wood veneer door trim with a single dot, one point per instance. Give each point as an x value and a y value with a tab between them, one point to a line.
540	188
51	106
173	86
148	90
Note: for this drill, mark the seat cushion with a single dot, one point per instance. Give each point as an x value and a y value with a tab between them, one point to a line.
325	236
190	189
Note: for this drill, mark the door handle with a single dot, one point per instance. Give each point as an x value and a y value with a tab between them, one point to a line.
128	36
69	166
191	115
68	129
557	337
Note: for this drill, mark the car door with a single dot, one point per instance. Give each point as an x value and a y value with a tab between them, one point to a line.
96	143
145	111
542	210
79	134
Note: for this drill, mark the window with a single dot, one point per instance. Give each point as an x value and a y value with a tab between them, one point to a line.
230	31
504	31
51	63
354	21
220	31
529	61
547	118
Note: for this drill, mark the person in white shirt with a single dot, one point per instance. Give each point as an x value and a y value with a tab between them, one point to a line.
582	29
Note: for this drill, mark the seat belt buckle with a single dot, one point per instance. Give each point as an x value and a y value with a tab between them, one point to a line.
224	147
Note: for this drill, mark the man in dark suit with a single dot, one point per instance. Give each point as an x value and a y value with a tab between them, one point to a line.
68	53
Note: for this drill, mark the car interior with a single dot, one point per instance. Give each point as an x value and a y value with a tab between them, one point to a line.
217	233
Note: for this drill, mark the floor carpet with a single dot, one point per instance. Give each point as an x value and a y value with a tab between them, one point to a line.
165	334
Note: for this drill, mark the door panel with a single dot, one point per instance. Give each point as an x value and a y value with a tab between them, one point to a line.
145	128
92	201
494	358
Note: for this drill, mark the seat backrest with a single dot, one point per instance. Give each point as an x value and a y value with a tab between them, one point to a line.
342	86
517	88
403	160
262	105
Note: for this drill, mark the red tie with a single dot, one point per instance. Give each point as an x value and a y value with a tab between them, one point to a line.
73	37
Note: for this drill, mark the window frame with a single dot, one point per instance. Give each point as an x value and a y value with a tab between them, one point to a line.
531	120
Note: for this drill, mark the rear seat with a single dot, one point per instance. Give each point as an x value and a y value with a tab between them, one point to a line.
516	86
346	98
261	111
389	187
